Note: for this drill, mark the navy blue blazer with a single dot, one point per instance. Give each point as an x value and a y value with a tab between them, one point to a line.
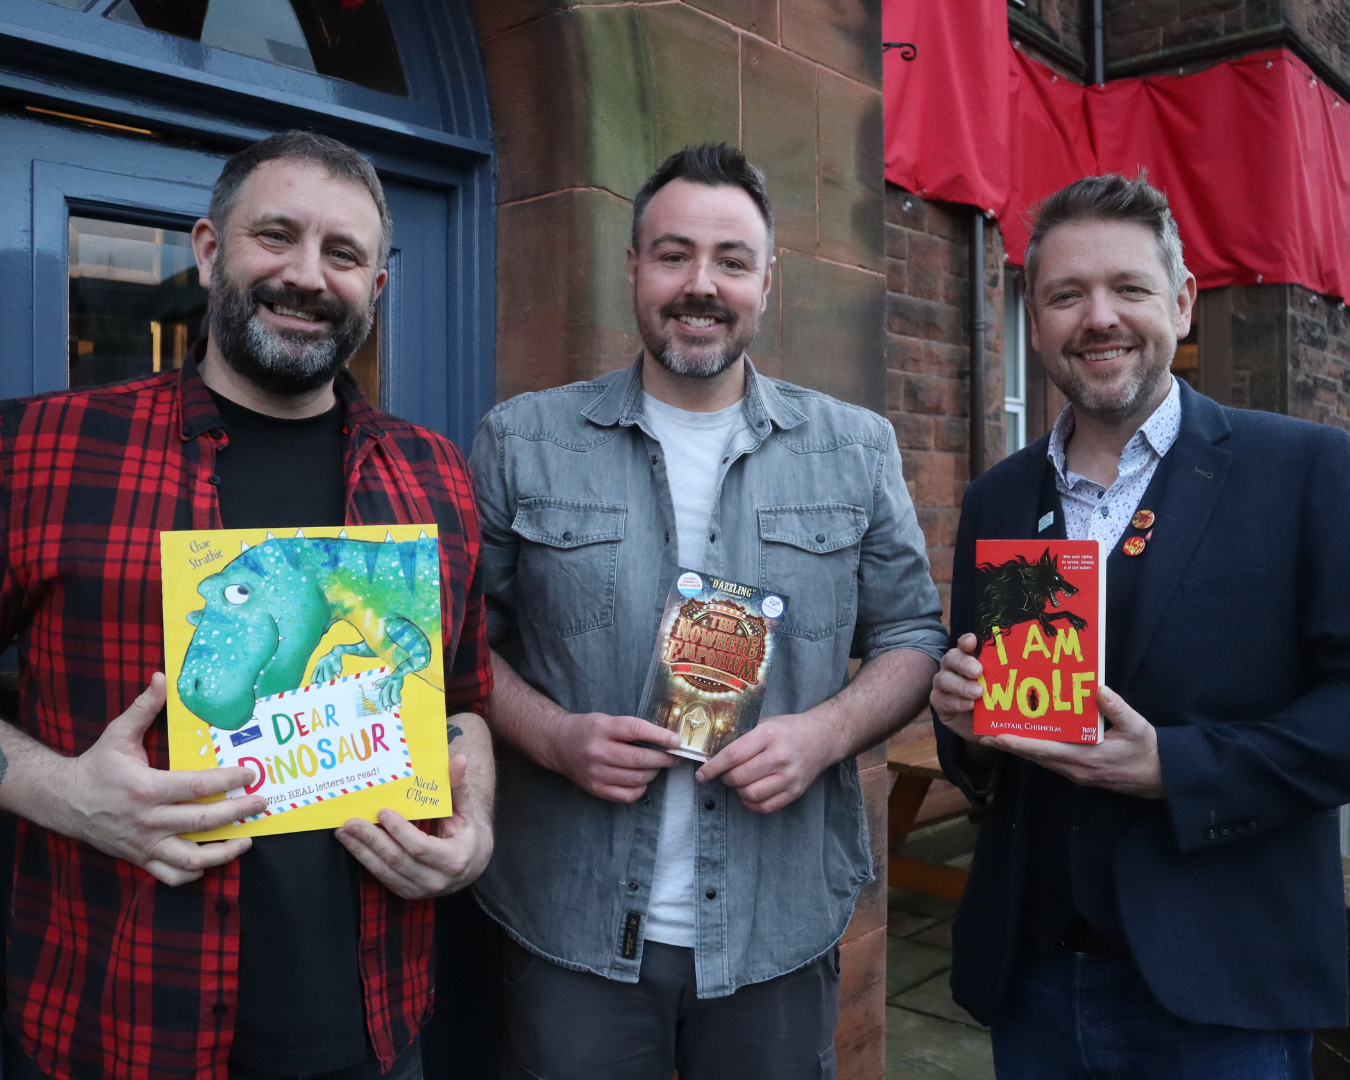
1237	648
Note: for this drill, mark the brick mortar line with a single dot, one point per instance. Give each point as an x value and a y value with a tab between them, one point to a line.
516	26
566	191
649	4
832	262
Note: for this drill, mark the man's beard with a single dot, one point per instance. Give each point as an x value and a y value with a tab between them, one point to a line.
1122	400
283	362
696	362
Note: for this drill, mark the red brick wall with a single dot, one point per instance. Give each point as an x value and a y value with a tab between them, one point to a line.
928	358
1138	28
1319	358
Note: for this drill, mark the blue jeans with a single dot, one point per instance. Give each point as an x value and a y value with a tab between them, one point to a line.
1072	1016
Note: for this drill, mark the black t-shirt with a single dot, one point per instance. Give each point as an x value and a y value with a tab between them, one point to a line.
301	1009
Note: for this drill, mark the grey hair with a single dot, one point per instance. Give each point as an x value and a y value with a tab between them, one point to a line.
1109	198
335	158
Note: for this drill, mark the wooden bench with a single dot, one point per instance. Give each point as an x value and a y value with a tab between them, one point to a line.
914	803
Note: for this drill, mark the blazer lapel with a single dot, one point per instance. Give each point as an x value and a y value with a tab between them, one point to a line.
1196	478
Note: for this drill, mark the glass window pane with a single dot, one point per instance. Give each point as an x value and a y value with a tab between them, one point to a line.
81	4
342	39
135	302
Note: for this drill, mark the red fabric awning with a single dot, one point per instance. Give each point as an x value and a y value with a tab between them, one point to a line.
1254	154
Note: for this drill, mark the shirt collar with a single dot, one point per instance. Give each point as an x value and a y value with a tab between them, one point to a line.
1157	433
764	404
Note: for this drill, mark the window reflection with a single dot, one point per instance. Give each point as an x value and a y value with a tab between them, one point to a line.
342	39
135	302
136	306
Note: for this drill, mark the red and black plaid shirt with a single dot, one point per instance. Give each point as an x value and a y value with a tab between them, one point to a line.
112	974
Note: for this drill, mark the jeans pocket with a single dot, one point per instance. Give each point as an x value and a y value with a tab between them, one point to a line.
568	563
827	1065
517	963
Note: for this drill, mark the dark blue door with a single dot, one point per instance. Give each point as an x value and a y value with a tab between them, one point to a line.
100	285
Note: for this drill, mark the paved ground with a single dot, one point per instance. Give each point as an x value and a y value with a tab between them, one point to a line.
928	1036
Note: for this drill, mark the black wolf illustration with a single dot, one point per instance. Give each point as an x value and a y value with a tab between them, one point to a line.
1018	590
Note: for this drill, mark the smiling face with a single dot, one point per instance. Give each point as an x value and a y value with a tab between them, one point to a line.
700	275
1105	319
293	275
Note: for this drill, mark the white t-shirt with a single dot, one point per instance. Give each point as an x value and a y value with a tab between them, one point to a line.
694	445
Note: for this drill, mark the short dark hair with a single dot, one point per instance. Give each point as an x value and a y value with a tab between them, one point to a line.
1109	198
712	164
337	159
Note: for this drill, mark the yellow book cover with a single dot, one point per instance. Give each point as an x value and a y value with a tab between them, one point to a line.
312	657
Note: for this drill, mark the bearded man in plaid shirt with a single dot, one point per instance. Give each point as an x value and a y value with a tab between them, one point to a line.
135	953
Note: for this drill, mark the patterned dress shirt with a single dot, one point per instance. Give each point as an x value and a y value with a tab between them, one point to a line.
112	974
1093	512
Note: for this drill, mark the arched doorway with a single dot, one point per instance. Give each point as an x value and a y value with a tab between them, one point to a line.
116	115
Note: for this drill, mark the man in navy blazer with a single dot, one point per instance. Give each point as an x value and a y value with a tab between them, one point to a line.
1168	903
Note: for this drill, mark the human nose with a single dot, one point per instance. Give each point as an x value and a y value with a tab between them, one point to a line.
1101	310
700	279
304	268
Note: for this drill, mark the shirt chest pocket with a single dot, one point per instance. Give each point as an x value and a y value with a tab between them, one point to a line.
568	563
810	553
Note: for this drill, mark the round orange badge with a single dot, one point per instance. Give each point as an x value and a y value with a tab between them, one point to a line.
1134	545
1142	519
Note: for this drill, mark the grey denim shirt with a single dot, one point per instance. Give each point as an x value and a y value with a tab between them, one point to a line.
579	553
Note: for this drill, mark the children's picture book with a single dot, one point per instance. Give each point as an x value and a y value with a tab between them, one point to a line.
1042	611
714	651
312	657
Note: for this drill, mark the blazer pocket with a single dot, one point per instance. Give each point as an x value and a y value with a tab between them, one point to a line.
568	565
1242	581
810	554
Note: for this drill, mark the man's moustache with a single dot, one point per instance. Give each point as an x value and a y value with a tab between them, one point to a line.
330	311
698	311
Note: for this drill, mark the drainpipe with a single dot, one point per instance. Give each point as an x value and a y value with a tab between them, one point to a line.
1098	52
977	344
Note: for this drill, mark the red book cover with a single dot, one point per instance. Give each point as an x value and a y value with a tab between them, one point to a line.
1042	608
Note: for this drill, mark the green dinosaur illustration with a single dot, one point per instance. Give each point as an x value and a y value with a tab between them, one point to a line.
269	608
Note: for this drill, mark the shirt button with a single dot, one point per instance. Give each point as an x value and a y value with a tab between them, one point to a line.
710	805
1224	830
667	538
222	909
214	479
712	538
632	886
1106	511
759	423
567	536
725	460
711	894
646	800
1212	833
653	459
220	1008
1251	823
820	538
1077	828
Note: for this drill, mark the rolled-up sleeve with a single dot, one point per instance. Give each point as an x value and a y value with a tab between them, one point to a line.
496	512
898	604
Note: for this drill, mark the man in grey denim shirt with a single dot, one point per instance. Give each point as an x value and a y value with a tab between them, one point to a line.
804	495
